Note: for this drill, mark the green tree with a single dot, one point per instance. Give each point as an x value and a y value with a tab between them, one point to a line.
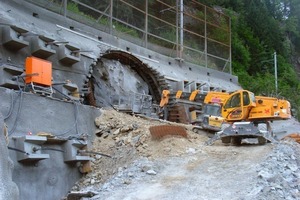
258	29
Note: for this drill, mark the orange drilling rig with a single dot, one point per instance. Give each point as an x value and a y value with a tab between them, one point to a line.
236	116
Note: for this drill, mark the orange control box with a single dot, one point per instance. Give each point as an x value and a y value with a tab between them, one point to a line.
38	71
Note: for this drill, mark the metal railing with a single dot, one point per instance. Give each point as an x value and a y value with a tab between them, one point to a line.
185	30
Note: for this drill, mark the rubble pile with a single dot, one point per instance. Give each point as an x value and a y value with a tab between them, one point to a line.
176	167
140	170
279	175
127	140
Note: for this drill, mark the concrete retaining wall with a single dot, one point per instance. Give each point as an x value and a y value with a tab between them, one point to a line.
50	178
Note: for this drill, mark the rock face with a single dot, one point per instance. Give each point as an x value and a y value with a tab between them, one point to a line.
8	189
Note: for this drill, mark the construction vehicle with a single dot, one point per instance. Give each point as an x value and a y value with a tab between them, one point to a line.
243	115
249	116
202	109
211	118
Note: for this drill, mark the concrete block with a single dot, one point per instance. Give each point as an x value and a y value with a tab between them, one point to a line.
32	146
8	76
68	54
72	150
185	86
12	38
71	90
41	47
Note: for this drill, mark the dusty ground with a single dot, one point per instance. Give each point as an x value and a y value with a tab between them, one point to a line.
184	168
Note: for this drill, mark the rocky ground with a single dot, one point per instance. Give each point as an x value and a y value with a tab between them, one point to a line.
174	167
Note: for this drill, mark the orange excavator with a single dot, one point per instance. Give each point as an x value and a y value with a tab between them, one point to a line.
211	118
203	110
237	115
249	116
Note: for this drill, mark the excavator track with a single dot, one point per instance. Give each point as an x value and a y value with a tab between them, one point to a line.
178	108
240	130
177	114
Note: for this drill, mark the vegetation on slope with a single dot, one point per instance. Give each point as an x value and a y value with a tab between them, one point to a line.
260	28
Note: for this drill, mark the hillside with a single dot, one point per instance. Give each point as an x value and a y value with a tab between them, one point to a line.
260	28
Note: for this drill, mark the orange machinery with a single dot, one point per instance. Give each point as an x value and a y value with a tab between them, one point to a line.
38	71
236	116
242	105
249	116
203	109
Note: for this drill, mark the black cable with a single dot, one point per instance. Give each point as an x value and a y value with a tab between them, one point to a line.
76	113
75	123
93	152
52	149
19	108
17	114
35	149
19	86
18	150
11	106
57	90
80	141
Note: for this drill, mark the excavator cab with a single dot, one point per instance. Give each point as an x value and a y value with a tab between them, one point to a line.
238	105
211	117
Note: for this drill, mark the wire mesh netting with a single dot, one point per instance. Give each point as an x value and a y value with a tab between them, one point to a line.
182	29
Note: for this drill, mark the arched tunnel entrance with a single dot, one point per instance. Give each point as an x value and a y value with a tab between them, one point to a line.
118	72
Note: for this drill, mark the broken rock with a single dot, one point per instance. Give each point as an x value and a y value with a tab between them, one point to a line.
151	172
98	121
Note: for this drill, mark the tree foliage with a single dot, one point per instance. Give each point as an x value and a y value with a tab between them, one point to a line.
260	28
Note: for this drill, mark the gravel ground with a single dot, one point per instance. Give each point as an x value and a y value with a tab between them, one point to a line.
184	168
279	175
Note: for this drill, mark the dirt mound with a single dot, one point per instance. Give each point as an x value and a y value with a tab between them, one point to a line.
126	138
293	136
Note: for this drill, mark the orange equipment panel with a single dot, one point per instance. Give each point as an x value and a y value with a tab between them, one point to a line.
41	71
